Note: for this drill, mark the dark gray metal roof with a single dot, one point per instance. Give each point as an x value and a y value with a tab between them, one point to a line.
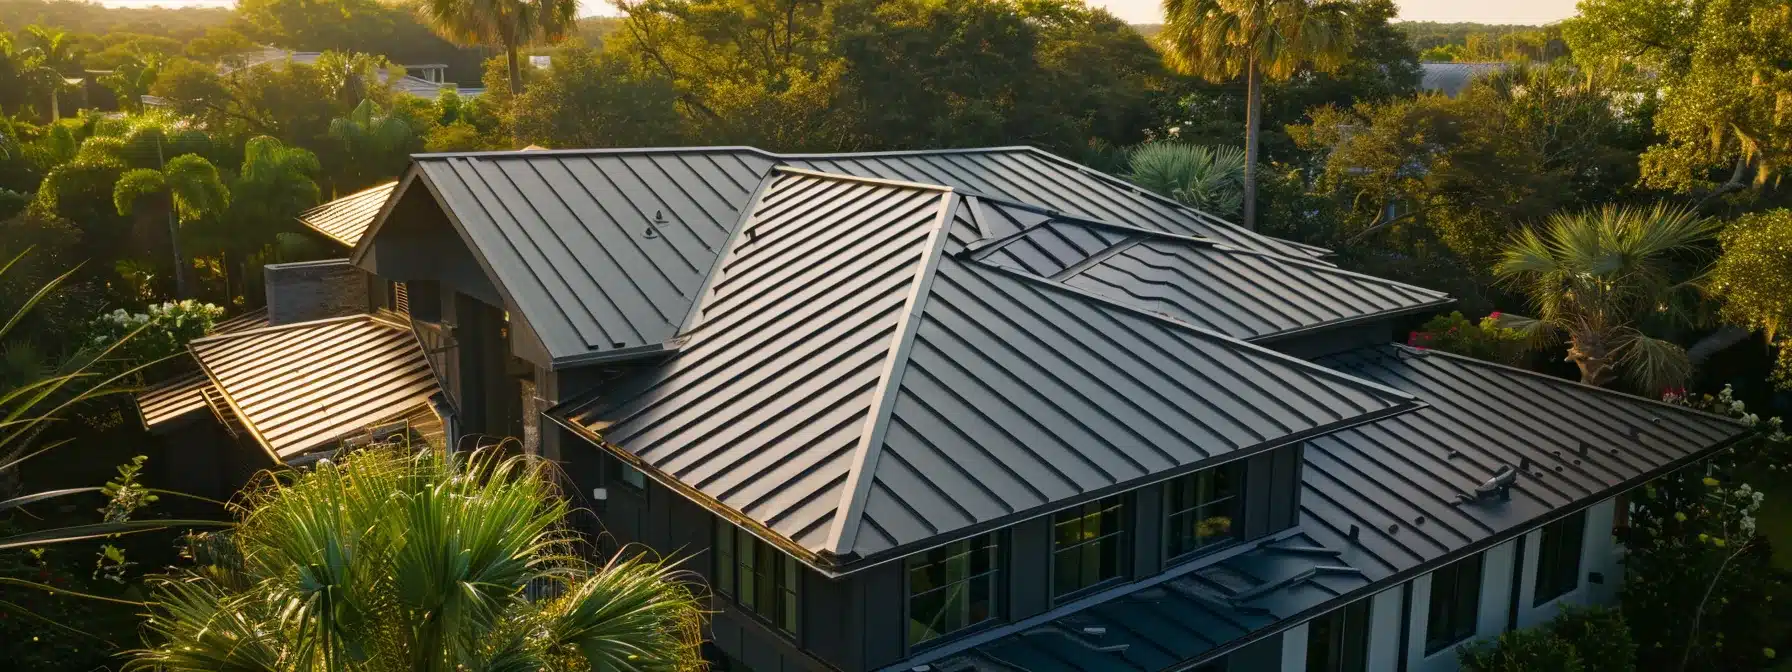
600	250
853	389
303	386
1396	482
1388	475
345	219
1182	617
1451	79
1247	295
1030	175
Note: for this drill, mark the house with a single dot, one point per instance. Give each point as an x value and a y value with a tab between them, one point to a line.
1451	79
991	410
424	80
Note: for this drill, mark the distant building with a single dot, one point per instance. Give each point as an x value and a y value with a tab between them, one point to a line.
424	80
1451	79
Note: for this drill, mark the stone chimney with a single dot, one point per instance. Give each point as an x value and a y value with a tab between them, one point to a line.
314	290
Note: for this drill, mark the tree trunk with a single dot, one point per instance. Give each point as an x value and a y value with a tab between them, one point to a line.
1253	122
1594	359
180	265
516	71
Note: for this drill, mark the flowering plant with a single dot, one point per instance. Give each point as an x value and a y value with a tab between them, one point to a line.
164	329
1485	339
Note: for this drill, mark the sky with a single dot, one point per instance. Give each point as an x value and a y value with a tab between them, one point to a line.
1150	11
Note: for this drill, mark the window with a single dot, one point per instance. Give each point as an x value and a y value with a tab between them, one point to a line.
1088	546
1199	510
1558	558
632	476
1455	603
1339	641
761	579
953	587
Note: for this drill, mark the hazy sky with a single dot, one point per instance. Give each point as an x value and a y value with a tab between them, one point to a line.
1149	11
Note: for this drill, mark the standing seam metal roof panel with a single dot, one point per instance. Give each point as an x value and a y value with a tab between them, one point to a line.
346	219
303	386
800	400
1242	294
1030	175
183	394
600	250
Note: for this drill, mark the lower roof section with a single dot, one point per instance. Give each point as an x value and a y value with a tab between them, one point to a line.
305	386
182	397
346	219
1381	503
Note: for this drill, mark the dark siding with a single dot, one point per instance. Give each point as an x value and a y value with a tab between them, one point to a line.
1261	656
1029	568
1330	341
1258	479
884	608
1147	531
1284	489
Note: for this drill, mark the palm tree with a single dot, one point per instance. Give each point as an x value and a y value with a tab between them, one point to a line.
52	54
1222	40
185	188
132	79
510	24
275	184
1209	178
1598	276
377	145
392	559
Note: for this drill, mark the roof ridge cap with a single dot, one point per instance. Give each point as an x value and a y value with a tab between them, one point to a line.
849	515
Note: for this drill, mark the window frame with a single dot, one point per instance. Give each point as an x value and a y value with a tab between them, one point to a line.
1234	504
1454	578
745	584
1354	615
1122	537
998	596
1558	573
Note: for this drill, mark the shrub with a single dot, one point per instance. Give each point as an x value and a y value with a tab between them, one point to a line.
1486	339
1599	635
1209	178
162	331
1533	650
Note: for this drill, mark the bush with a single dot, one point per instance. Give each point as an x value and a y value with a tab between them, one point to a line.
1599	635
162	331
1533	650
1486	339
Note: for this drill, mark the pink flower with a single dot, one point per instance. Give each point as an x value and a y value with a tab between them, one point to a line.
1494	315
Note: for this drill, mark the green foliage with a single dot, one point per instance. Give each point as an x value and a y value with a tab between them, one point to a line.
376	145
341	567
1599	635
1598	277
163	330
1722	71
130	80
1207	178
1486	339
1529	650
1753	276
589	99
366	26
507	24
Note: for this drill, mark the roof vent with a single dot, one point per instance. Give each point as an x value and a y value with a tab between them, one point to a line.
1500	483
651	233
1095	631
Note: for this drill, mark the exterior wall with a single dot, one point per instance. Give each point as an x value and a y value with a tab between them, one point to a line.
1495	607
1386	616
1294	649
1264	655
1322	342
1596	556
314	290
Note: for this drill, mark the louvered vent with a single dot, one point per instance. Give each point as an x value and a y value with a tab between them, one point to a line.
401	298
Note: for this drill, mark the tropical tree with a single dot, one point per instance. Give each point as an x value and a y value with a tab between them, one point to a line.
168	177
1753	276
1597	277
376	143
1209	178
391	559
52	54
508	24
1222	40
132	79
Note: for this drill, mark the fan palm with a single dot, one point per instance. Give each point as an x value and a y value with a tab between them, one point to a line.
509	24
1596	277
393	560
1222	40
1209	178
184	189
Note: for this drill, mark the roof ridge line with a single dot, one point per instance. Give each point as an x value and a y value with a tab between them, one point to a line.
216	337
842	177
848	515
1430	352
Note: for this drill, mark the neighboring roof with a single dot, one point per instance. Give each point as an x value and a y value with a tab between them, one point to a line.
1581	443
345	219
602	251
303	386
1396	482
163	404
1451	79
1246	295
852	388
1165	623
1029	175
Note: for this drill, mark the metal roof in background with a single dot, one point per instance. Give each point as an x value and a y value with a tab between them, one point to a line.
304	386
602	250
1030	175
1398	479
1242	294
345	219
854	389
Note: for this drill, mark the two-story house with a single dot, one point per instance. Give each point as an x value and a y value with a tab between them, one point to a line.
991	410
